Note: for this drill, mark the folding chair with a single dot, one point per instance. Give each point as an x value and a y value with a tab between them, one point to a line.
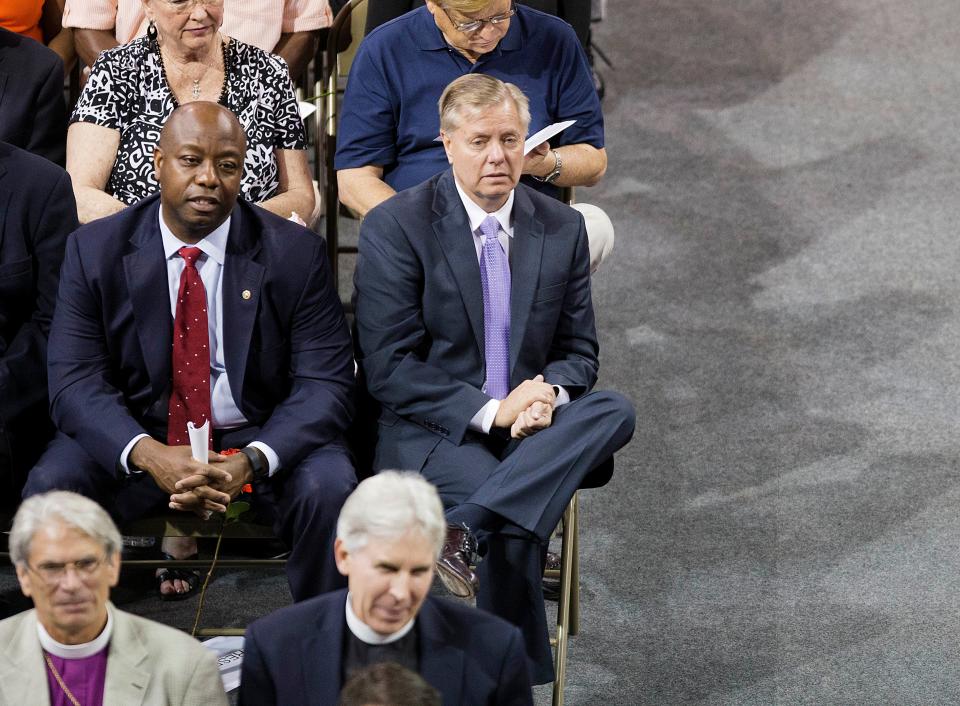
336	68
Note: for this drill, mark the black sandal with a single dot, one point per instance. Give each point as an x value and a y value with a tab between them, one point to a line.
189	575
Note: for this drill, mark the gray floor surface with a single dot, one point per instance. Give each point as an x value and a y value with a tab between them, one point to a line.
782	307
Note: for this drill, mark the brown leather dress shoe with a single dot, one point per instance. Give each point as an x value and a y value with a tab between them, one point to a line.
454	562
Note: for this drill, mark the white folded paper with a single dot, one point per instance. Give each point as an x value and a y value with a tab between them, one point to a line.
229	651
541	136
199	441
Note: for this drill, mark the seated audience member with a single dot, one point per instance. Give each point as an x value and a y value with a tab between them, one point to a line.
388	126
133	88
479	344
388	684
33	115
75	647
575	12
287	29
41	21
389	535
37	213
194	306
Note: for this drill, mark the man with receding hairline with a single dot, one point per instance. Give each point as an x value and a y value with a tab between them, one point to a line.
476	335
194	306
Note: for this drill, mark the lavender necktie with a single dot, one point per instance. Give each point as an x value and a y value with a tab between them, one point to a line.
495	278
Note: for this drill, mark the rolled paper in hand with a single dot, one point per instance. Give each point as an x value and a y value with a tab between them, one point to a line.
199	441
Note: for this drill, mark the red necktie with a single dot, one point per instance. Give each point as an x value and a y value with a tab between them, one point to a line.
190	395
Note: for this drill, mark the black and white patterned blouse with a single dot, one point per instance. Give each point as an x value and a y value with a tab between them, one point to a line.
128	91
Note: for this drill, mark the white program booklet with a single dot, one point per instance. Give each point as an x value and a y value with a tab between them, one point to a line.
542	136
229	657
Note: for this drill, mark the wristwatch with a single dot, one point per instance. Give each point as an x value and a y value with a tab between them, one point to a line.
552	176
258	462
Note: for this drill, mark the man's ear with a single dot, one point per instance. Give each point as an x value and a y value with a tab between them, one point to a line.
446	145
341	556
157	161
23	576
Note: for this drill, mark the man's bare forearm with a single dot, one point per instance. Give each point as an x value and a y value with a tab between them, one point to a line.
582	165
362	189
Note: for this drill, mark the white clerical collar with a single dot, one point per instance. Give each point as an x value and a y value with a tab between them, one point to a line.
476	215
86	649
214	245
365	633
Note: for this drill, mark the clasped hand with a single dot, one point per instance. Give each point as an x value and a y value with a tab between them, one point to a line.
193	486
527	409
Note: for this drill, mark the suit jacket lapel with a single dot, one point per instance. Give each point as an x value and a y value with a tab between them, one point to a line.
526	253
452	230
322	656
127	679
146	272
440	664
242	278
22	676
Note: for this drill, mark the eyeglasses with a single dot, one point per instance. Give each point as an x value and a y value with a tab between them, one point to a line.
182	7
54	572
474	25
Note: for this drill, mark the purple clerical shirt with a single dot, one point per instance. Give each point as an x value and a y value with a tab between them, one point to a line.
85	677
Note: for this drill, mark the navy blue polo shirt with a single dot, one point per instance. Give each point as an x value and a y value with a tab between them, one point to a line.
390	116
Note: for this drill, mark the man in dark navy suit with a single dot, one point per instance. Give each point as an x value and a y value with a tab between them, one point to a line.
192	306
476	336
33	115
389	536
37	213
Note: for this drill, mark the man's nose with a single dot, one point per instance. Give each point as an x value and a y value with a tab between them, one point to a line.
207	173
495	153
400	587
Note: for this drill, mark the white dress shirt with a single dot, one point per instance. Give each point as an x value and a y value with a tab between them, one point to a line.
223	410
482	421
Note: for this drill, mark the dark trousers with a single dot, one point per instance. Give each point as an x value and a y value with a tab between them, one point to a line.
303	503
528	484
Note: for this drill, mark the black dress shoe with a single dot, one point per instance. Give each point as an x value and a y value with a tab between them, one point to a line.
454	562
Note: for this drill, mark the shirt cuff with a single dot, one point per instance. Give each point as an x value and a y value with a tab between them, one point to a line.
126	453
273	461
483	420
562	396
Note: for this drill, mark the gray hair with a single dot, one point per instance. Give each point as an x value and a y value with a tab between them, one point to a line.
473	93
71	509
389	504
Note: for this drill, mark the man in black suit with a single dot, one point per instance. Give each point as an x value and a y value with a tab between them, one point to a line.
33	115
37	213
389	535
192	306
476	336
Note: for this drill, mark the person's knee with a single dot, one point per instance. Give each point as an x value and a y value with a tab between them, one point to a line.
600	233
614	407
323	482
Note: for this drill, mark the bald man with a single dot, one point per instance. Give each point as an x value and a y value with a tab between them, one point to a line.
192	306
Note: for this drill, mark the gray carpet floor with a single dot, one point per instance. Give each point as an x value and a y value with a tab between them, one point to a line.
782	307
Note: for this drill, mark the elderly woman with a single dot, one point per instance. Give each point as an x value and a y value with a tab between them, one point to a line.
75	647
133	88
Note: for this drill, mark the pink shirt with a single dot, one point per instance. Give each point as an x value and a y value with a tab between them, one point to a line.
257	22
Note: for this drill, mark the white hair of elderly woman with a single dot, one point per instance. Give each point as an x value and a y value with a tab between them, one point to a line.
64	507
389	504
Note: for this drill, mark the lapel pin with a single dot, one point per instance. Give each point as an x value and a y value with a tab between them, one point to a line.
246	294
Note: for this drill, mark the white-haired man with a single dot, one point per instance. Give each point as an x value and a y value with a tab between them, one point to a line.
74	647
389	535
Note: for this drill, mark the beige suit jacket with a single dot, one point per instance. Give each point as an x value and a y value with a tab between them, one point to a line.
149	664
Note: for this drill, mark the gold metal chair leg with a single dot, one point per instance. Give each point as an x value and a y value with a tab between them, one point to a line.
575	584
568	580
